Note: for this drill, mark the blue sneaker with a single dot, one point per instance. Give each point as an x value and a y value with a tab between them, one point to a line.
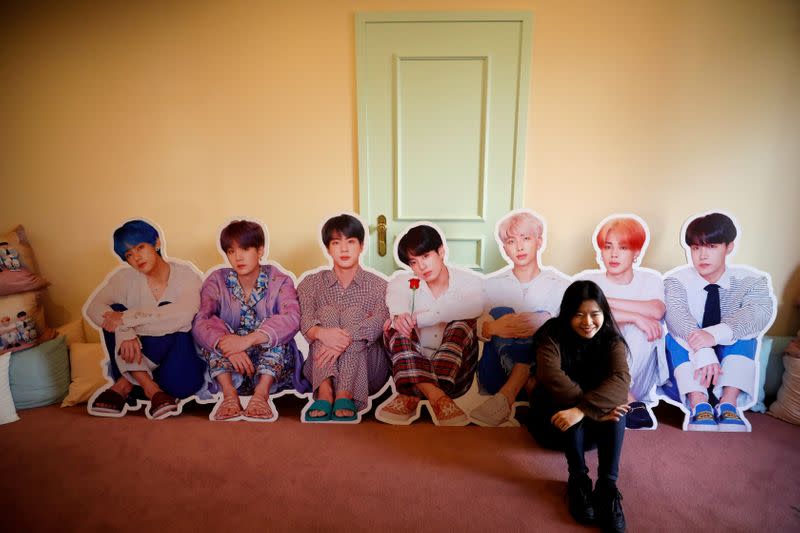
702	418
728	418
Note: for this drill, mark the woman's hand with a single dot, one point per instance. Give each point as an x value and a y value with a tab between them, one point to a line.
131	351
111	321
334	338
651	328
567	418
231	344
405	324
616	413
242	363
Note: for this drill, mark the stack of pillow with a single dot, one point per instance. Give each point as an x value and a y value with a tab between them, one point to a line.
34	365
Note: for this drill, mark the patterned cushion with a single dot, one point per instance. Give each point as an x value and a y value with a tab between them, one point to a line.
18	271
22	322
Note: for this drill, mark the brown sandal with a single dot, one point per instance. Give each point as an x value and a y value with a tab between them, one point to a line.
161	405
228	408
108	402
258	408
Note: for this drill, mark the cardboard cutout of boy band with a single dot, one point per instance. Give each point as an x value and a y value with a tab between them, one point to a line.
716	316
518	300
245	326
343	312
431	337
636	298
144	311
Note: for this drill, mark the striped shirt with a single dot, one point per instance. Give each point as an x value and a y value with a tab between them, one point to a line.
747	305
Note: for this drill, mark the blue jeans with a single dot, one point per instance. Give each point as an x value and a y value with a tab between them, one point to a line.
587	433
180	369
501	354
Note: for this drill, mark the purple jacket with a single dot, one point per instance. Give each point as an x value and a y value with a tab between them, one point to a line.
279	310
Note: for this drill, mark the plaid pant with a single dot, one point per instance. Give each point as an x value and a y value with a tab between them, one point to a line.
451	367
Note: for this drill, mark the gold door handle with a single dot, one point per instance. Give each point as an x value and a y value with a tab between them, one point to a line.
381	235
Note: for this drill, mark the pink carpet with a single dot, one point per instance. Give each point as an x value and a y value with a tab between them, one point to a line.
63	470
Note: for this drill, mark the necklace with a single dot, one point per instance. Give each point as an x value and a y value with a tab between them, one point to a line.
157	286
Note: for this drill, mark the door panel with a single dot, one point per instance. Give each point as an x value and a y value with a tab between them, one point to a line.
439	108
440	146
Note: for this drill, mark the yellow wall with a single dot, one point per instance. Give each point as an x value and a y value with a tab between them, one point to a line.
195	112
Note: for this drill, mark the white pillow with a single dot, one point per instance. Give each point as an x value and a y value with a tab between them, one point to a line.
7	411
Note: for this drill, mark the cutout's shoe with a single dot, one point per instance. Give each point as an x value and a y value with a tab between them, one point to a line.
229	409
447	413
108	402
493	412
162	405
728	418
400	409
318	405
702	418
344	404
258	409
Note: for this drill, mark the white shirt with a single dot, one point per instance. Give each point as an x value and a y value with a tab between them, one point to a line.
645	285
129	287
462	300
544	292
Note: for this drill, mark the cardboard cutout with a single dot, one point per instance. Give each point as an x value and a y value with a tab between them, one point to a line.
432	338
716	316
146	325
353	315
636	298
519	299
249	339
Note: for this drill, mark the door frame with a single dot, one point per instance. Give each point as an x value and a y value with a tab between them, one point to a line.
520	126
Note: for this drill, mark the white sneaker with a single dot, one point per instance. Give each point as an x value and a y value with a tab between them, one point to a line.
493	412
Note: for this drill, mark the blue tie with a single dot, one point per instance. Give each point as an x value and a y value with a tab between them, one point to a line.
711	313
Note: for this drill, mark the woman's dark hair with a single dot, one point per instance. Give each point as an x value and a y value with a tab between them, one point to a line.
574	296
417	241
244	233
574	348
345	225
714	228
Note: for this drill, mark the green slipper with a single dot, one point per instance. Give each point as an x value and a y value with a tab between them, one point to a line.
347	404
319	405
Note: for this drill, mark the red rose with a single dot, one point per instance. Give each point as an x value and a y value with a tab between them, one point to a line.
413	283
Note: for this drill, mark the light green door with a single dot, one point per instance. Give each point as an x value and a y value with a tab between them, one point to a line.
442	104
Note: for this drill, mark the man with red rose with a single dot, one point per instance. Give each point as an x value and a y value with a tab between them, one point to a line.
431	338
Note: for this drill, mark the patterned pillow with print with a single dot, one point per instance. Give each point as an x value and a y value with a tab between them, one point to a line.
18	271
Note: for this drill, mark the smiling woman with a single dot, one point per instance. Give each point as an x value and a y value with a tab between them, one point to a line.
579	400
